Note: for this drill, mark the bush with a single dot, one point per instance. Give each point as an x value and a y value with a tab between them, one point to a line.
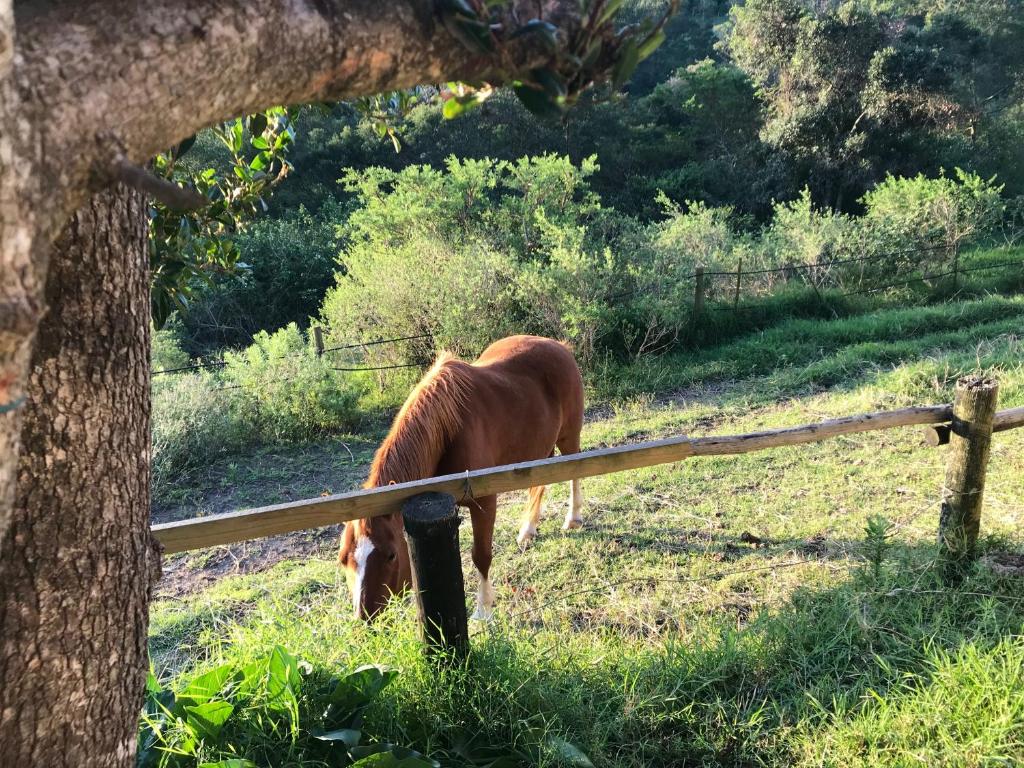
485	248
940	214
802	235
288	392
473	253
275	390
194	420
165	347
274	711
289	265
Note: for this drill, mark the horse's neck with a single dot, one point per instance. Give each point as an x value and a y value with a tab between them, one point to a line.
402	458
424	428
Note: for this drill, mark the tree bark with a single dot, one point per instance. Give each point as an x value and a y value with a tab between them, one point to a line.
77	566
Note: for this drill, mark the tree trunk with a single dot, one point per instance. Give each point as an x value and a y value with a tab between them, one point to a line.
77	565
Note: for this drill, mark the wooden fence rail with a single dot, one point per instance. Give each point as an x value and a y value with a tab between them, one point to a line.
257	523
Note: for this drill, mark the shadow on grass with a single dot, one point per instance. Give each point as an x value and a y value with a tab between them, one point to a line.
712	693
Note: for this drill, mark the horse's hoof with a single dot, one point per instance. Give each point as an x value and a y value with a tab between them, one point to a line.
483	614
526	535
572	524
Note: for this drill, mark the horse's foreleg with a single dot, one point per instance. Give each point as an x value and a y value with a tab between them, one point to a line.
482	511
532	517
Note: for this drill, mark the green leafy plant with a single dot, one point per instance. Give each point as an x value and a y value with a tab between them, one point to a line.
877	535
275	710
598	50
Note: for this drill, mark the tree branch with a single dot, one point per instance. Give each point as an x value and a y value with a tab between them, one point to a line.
109	78
170	194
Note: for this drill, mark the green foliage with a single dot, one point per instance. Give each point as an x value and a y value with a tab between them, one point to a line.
189	248
852	93
599	50
288	392
276	390
165	348
481	250
290	261
878	533
527	246
274	711
194	419
949	211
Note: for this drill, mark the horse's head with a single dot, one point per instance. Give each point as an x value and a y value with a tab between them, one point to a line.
376	562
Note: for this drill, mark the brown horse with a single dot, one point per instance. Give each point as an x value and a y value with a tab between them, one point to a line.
520	400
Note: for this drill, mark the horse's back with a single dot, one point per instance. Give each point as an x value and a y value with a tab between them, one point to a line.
526	361
527	394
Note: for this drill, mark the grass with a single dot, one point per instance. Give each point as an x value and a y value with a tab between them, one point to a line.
724	611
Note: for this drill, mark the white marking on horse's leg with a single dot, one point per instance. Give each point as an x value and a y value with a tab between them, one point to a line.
361	555
484	599
574	517
526	534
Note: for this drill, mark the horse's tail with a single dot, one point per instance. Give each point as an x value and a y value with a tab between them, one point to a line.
428	421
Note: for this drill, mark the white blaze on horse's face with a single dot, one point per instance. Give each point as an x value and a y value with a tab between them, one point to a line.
358	571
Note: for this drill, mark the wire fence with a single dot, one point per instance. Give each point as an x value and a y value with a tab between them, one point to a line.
727	298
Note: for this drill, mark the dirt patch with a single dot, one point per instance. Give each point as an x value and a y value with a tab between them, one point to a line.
267	476
1005	564
192	572
271	476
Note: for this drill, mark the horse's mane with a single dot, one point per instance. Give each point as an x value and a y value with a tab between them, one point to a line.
429	419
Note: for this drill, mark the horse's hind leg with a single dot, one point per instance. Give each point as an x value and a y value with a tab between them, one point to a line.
573	517
482	512
532	518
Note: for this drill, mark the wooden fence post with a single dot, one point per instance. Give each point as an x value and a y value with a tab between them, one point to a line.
971	436
432	529
698	298
739	275
318	340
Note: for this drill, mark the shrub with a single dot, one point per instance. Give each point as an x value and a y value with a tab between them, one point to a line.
289	264
194	420
802	235
473	253
275	390
165	347
287	391
275	711
937	216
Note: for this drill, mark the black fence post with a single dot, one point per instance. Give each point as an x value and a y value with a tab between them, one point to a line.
432	529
